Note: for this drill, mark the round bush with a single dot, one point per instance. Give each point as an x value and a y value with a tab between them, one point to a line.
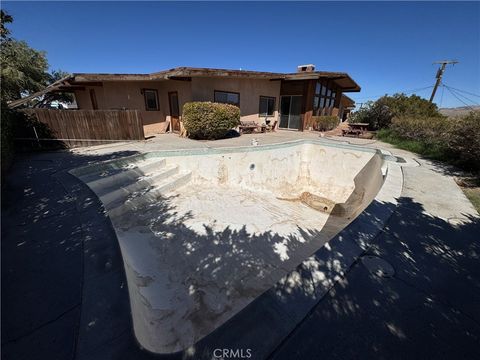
209	121
325	123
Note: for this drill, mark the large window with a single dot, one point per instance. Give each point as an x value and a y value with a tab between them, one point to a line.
151	99
323	100
266	106
226	97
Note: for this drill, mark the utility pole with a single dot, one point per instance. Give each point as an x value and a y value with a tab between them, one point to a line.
439	75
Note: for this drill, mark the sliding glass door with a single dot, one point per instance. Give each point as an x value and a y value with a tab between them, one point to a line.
291	112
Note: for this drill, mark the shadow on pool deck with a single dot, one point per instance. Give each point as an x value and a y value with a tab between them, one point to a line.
428	309
64	290
44	232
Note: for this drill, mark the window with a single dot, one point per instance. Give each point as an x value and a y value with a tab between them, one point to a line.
266	106
323	99
151	99
227	97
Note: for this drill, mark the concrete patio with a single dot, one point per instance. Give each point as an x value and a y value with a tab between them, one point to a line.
64	288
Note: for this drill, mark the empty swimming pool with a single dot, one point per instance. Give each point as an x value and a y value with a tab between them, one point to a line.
205	232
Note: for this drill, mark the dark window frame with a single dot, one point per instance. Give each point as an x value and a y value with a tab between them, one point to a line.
268	98
227	92
327	100
144	92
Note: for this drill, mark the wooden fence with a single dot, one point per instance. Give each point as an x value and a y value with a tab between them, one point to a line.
87	127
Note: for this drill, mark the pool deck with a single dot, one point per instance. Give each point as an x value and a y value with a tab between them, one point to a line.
55	237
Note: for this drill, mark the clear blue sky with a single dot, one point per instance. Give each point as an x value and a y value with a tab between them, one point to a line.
385	47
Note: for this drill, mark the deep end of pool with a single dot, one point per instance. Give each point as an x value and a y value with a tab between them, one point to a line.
205	233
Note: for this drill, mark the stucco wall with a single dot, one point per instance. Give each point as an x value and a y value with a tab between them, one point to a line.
128	94
250	91
83	99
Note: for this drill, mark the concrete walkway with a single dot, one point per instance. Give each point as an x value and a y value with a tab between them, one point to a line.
424	304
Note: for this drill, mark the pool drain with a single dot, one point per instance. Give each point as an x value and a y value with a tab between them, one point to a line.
377	266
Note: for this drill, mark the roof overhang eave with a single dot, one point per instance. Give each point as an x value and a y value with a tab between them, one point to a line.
54	87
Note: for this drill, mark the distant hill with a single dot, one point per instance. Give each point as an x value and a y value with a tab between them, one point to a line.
458	111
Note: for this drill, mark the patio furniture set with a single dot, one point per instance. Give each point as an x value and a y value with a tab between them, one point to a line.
249	127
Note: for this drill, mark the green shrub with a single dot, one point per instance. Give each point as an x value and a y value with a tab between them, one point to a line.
207	120
375	114
325	123
437	151
463	139
379	114
455	140
430	130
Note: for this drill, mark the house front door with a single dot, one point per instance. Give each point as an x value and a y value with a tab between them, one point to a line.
174	111
291	112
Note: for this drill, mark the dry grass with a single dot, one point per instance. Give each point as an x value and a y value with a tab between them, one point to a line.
471	188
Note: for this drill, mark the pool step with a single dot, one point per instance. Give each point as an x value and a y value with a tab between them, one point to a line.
150	195
120	193
115	173
134	178
108	166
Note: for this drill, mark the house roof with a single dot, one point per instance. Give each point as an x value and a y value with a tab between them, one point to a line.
77	80
342	79
59	85
348	101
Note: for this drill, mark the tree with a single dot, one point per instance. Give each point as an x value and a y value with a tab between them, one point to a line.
4	19
379	114
23	71
64	97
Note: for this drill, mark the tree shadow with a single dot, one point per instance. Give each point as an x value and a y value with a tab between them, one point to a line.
211	274
32	134
46	234
60	254
427	309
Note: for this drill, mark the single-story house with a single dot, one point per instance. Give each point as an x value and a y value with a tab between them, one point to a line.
291	99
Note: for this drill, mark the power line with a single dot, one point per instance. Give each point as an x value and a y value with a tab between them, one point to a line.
463	96
418	90
463	102
463	91
397	92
